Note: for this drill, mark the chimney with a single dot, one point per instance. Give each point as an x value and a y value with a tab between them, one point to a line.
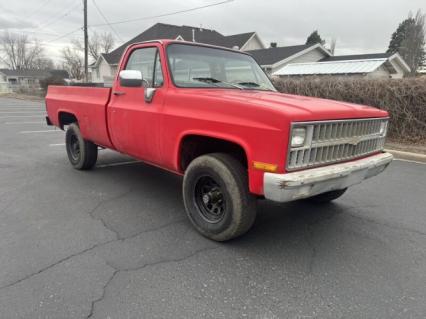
273	44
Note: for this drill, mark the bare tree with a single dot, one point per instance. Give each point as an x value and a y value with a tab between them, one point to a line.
73	61
44	64
98	43
19	52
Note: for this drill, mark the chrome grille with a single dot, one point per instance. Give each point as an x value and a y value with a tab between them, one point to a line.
329	142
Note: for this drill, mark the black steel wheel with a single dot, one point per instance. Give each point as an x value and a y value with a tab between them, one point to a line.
216	197
82	154
210	200
74	147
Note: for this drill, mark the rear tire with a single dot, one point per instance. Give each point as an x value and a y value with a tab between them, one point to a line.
216	197
82	154
327	197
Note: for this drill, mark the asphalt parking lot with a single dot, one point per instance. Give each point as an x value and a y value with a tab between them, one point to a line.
115	243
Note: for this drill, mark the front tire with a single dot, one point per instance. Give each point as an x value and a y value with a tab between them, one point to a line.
82	154
216	197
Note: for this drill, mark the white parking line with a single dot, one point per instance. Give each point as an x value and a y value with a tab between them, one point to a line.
13	123
15	116
20	112
58	144
45	131
21	109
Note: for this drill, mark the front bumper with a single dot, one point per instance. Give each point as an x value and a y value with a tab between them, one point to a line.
311	182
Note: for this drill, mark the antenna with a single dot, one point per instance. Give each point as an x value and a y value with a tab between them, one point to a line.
333	45
86	45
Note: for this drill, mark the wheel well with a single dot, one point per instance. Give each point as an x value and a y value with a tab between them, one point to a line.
193	146
66	118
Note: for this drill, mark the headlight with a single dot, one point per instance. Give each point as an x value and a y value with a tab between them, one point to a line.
298	137
383	128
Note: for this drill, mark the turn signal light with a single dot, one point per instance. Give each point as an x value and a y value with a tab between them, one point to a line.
265	167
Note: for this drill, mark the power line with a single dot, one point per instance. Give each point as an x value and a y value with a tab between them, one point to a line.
41	6
138	19
20	31
162	15
55	19
107	22
64	35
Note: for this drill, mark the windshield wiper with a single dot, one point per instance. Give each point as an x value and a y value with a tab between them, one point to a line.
216	81
254	86
251	84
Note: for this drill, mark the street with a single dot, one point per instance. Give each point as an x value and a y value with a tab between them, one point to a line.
114	242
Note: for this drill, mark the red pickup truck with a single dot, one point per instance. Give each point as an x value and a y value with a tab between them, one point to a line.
212	115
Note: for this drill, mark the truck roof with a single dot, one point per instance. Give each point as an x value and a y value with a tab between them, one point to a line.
166	42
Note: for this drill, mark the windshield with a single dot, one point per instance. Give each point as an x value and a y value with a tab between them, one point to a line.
197	67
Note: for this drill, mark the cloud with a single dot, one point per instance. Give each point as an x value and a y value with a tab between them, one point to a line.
8	22
360	26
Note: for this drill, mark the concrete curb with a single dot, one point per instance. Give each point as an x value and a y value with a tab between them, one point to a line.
408	155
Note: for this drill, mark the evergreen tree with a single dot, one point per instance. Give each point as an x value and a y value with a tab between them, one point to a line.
400	35
314	38
409	41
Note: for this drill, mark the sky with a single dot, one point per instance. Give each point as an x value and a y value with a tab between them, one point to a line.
361	26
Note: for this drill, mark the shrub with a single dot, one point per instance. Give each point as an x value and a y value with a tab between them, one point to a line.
404	99
51	80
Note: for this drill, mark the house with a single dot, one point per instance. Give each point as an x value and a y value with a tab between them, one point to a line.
380	65
274	58
297	60
27	79
104	68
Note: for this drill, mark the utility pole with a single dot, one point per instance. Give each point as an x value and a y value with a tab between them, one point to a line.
86	45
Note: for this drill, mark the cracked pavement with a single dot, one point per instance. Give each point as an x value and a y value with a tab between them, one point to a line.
115	243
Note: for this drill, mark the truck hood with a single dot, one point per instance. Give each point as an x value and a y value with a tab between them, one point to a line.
298	108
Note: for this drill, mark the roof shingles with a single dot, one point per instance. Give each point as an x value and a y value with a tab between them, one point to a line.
188	33
271	56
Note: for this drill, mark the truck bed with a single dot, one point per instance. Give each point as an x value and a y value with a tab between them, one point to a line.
88	104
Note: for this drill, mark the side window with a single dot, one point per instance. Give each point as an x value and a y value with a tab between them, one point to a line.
147	61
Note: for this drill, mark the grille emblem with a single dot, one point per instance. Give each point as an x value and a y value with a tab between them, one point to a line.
355	141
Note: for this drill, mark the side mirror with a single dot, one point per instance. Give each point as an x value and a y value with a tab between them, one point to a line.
131	78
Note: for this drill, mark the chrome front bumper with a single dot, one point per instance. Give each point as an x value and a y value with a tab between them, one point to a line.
311	182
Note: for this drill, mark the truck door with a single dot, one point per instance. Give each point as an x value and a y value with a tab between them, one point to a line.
134	123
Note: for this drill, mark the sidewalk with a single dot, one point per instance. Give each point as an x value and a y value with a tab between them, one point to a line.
409	152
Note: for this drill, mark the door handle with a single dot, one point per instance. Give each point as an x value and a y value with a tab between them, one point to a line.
118	93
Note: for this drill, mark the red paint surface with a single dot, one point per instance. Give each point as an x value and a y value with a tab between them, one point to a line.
259	121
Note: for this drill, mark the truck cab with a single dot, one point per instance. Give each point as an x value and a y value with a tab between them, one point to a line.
212	115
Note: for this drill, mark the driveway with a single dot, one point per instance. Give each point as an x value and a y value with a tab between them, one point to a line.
115	242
